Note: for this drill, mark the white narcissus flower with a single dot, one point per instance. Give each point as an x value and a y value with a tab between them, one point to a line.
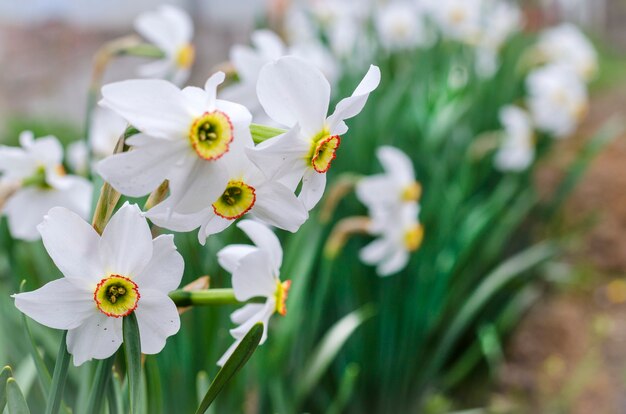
104	132
459	19
557	98
37	173
400	25
393	188
105	279
297	95
567	45
247	191
171	30
255	274
517	151
185	135
399	235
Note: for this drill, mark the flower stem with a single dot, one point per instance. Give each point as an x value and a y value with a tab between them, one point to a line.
342	232
208	297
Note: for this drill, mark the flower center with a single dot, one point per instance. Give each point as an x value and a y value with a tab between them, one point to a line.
237	200
411	192
38	179
185	56
211	134
282	291
116	296
323	151
413	237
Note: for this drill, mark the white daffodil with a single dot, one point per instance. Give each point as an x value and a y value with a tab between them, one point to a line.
184	136
393	188
104	132
105	279
459	19
399	235
518	148
297	95
557	98
247	191
255	274
37	174
567	45
171	30
401	26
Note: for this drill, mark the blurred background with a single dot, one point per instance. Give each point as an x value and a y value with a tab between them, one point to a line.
565	353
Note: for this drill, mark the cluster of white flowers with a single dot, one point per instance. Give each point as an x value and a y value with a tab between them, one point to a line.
392	199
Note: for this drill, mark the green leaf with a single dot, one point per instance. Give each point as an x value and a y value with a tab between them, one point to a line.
238	359
100	385
328	349
153	385
5	374
346	389
55	394
132	348
16	403
262	133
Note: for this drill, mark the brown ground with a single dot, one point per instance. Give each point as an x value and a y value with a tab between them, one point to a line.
569	353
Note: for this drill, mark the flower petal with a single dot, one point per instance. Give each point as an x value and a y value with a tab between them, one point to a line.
165	269
254	277
397	164
278	206
158	319
126	243
313	185
264	239
393	264
98	337
294	92
230	256
215	224
168	27
60	304
263	315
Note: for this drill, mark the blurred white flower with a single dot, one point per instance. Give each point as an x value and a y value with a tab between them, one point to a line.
104	132
247	191
184	137
398	236
518	148
78	157
557	98
567	45
459	19
393	188
297	95
255	274
171	30
37	172
106	278
400	25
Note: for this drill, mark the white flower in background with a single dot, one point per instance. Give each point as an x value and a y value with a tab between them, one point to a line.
297	95
77	155
171	30
106	278
400	25
247	191
518	148
255	274
184	136
567	45
557	98
393	188
104	132
37	172
399	235
459	19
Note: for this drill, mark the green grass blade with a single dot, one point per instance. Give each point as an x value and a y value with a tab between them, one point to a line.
16	403
132	348
153	384
238	359
5	374
100	384
328	349
346	389
59	377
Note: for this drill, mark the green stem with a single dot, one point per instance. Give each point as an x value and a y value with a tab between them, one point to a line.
183	298
59	377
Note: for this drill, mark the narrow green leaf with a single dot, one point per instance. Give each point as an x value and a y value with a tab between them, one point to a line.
132	348
153	384
238	359
5	374
55	394
346	389
262	133
100	385
16	403
328	349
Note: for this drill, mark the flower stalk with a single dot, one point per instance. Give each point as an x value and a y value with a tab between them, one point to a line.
342	232
207	297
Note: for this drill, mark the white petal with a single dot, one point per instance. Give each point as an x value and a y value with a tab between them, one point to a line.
168	27
278	206
157	318
351	106
230	256
376	190
143	169
254	277
15	163
229	352
397	164
164	216
126	243
393	264
60	304
77	195
210	87
98	337
153	106
72	244
246	312
313	185
294	92
375	251
48	151
263	315
165	269
215	224
264	239
27	208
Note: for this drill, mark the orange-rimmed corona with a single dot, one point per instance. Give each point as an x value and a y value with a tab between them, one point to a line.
116	296
211	134
323	151
237	200
281	294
